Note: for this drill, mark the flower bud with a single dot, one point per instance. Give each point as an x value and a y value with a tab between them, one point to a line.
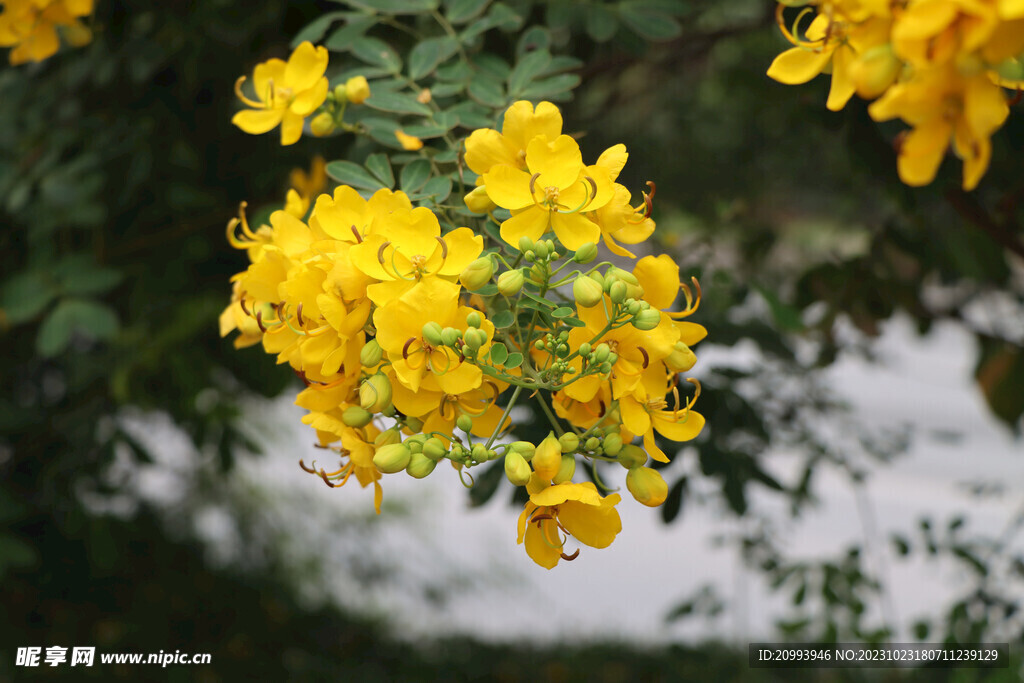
597	277
474	338
392	458
681	359
371	354
375	393
479	452
516	469
339	93
538	273
647	320
587	292
584	349
477	274
420	466
874	71
612	444
357	89
388	436
623	275
601	353
473	319
586	253
415	443
450	335
434	448
565	470
617	292
322	124
647	486
478	201
465	423
524	448
525	244
548	458
413	423
510	282
632	456
432	333
569	442
592	443
356	416
541	249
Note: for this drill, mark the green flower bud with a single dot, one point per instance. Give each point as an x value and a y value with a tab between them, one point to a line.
339	93
414	423
375	393
465	423
647	320
450	335
565	470
538	273
681	359
432	333
613	358
586	253
632	306
420	465
479	452
612	444
474	338
322	124
388	436
355	416
617	292
569	442
597	277
592	443
587	292
623	275
605	368
477	274
525	244
415	443
516	469
584	349
541	250
510	282
632	456
392	458
371	354
529	256
647	486
434	448
478	201
524	448
474	319
601	353
547	460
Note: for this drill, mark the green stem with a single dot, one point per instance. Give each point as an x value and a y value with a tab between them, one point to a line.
504	416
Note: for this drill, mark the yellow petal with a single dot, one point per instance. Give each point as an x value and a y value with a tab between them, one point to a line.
523	123
486	148
593	526
659	276
559	162
922	151
798	65
463	248
543	544
842	87
634	417
613	159
257	121
266	75
985	107
306	102
305	67
586	493
573	230
508	187
679	426
532	222
291	128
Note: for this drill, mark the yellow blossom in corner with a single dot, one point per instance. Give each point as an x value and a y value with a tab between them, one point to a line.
576	510
287	92
30	27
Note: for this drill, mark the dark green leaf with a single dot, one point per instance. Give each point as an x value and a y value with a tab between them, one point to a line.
343	39
377	52
426	131
503	319
561	312
398	103
380	167
554	88
649	24
440	90
527	69
25	296
461	11
787	317
94	319
491	64
601	23
414	175
456	71
499	352
514	360
539	299
396	6
81	275
571	321
674	502
500	16
437	188
316	29
427	54
348	173
533	39
473	115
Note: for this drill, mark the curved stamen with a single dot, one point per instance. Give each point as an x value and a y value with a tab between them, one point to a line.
791	35
692	300
444	249
307	469
380	252
359	238
241	302
572	557
647	358
533	185
250	103
405	349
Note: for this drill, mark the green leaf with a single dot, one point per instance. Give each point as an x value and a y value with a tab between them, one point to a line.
487	290
674	502
514	360
437	189
85	316
499	352
25	296
427	54
380	167
571	321
348	173
414	175
316	29
398	103
540	300
554	88
561	312
487	91
601	23
345	37
81	275
527	69
648	23
472	115
503	320
396	6
488	63
456	71
377	52
439	90
532	39
787	318
461	11
426	131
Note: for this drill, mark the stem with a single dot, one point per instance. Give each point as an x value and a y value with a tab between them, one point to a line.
551	417
504	416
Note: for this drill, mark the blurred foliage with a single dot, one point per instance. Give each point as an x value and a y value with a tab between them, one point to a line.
119	167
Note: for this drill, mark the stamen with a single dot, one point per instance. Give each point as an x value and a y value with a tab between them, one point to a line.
246	100
572	557
647	358
533	184
380	252
307	469
405	349
359	238
259	321
298	315
241	302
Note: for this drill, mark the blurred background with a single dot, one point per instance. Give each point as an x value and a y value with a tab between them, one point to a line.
859	477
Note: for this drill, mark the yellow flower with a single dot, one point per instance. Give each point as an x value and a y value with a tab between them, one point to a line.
646	410
551	194
356	451
486	147
30	27
576	510
408	142
286	93
440	410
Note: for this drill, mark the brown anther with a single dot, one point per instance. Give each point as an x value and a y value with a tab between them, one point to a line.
647	358
323	475
301	374
572	557
593	187
241	302
306	469
897	142
298	314
540	518
675	394
359	238
601	407
533	182
259	321
405	349
444	248
380	252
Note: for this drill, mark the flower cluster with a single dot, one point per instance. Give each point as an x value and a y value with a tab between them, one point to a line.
416	335
938	65
30	27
